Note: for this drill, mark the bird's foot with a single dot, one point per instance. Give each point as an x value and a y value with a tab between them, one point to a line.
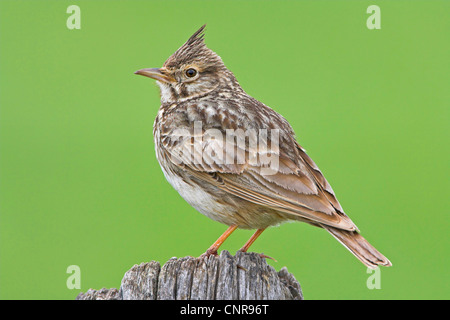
262	255
208	253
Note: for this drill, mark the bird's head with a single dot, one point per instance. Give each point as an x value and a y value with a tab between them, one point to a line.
192	71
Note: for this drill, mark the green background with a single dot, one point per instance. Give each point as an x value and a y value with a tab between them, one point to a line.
80	184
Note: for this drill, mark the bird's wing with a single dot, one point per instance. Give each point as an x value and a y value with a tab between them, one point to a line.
293	186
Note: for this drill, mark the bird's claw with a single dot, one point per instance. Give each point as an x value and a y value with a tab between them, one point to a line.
262	255
208	253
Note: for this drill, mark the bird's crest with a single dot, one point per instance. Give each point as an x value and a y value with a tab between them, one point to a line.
197	37
194	49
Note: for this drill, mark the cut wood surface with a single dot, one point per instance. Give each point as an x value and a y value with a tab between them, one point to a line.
245	276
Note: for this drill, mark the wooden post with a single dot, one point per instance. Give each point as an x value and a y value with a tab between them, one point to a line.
245	276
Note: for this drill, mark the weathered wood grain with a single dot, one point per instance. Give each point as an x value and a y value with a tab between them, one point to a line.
245	276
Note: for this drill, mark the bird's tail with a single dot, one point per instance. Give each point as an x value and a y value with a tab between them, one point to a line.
360	247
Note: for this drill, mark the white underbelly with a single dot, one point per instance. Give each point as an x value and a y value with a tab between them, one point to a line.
201	200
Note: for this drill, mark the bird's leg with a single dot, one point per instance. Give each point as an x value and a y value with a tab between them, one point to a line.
251	240
215	246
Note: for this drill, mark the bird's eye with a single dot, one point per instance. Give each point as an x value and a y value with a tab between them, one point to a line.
191	72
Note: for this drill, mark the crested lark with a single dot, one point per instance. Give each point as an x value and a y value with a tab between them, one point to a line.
236	160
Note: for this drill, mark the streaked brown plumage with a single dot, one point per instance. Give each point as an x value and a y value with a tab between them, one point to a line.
197	88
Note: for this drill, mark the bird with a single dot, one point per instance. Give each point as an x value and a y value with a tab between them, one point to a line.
236	160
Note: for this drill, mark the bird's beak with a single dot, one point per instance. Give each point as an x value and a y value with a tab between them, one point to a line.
155	73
